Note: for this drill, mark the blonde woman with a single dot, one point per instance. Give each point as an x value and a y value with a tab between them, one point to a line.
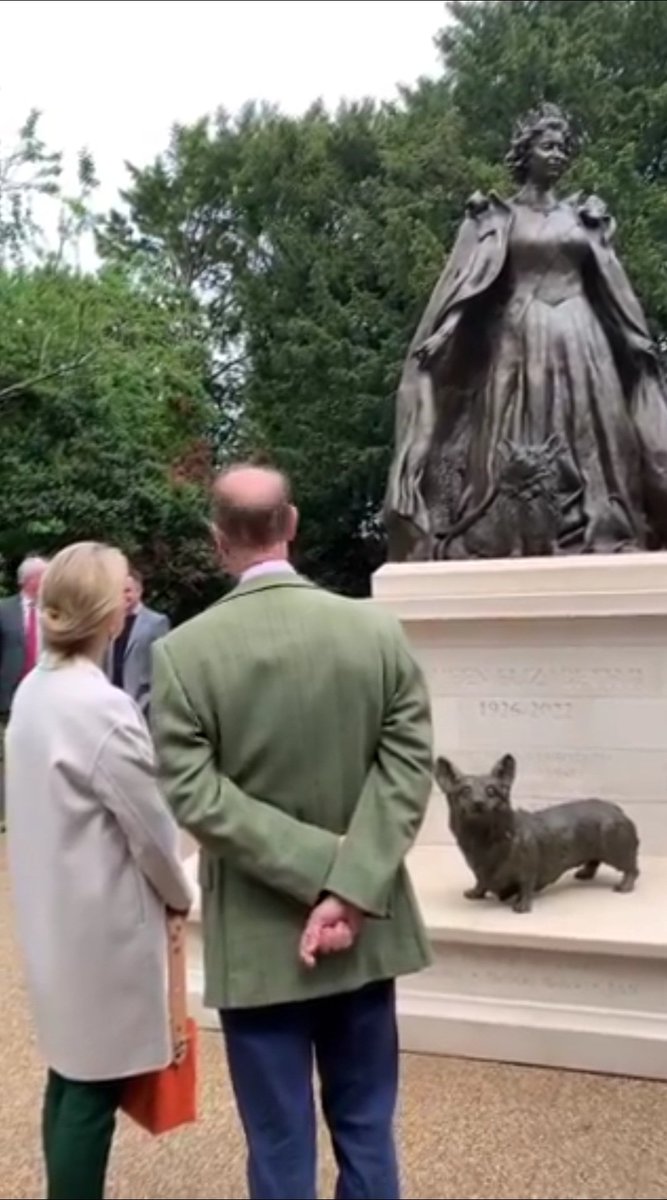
94	864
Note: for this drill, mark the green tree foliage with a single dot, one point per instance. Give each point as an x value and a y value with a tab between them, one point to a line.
311	243
105	406
31	176
28	171
103	410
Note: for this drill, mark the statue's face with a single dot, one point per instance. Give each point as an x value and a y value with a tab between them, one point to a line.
548	156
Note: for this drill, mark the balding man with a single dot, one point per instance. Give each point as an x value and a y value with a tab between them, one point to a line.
19	645
293	731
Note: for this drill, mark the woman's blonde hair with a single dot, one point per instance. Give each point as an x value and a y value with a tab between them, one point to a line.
81	589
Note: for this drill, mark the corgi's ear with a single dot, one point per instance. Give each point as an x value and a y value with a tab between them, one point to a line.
505	770
447	775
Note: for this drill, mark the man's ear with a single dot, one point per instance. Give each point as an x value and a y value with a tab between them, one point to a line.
292	523
447	775
218	543
505	770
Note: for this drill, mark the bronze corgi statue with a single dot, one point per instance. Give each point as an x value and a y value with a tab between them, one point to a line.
513	854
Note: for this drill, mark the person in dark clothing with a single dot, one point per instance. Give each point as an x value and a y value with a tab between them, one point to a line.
129	661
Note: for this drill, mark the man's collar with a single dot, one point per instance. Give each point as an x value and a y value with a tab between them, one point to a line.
271	566
284	576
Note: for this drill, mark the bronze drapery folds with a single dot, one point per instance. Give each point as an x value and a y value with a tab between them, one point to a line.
531	412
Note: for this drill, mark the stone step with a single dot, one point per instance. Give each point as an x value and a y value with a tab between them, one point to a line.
582	918
578	983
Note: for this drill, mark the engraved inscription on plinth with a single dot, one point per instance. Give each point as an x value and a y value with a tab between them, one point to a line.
480	670
607	981
581	703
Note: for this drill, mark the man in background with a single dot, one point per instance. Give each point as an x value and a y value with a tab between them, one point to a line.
19	646
129	664
293	734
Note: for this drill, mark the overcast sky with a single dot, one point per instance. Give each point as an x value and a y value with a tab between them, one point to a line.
113	75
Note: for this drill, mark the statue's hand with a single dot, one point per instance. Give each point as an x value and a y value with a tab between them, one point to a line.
438	341
426	352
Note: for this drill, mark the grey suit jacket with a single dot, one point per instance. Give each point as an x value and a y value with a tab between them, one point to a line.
137	665
12	650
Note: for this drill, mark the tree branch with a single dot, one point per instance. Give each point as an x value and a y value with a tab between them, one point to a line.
54	373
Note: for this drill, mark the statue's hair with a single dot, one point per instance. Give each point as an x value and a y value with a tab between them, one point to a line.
528	128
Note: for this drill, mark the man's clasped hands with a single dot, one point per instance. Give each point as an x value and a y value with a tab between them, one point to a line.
331	927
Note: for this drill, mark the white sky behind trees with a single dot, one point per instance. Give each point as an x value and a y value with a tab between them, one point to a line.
114	75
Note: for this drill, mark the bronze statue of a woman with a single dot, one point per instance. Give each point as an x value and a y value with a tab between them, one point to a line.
531	395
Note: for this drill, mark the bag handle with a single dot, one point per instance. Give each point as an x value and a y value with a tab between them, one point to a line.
177	984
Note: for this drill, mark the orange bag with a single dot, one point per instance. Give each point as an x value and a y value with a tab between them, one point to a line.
164	1100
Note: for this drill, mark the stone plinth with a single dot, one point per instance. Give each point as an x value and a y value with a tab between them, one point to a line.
562	662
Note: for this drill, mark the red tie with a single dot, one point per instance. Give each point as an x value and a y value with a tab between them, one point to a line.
31	645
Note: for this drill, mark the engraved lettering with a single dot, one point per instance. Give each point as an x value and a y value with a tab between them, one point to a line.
549	976
563	679
553	710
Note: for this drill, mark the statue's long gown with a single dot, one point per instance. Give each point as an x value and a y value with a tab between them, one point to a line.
552	371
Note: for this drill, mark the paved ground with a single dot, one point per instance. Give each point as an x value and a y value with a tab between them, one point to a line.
467	1130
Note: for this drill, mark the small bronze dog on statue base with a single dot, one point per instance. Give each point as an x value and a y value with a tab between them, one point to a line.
514	854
